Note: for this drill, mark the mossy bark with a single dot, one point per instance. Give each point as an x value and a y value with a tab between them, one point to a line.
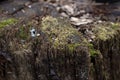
48	64
51	56
39	59
106	65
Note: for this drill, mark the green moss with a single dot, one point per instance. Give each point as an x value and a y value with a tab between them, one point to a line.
22	33
61	33
71	47
115	25
7	22
106	31
92	50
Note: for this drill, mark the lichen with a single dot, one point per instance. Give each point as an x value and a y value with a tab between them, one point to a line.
61	33
7	22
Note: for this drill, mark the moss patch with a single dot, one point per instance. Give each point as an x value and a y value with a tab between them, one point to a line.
7	22
106	31
93	52
23	32
61	33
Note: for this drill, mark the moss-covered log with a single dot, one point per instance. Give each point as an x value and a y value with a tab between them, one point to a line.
53	50
58	53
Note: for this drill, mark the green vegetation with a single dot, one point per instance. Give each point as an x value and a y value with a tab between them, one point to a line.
115	25
23	33
92	50
61	33
106	31
7	22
